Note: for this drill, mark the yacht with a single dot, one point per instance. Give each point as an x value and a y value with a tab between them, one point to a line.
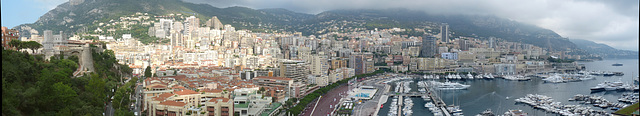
599	87
469	76
516	77
487	112
586	77
515	113
616	64
449	85
429	105
454	109
554	79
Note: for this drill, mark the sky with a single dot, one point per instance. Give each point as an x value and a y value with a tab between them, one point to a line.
16	12
611	22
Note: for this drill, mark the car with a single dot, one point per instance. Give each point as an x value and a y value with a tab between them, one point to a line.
135	113
112	97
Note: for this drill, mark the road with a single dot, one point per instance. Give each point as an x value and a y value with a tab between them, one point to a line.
138	98
368	108
327	102
109	109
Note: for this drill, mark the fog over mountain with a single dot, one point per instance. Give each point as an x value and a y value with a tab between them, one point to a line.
614	23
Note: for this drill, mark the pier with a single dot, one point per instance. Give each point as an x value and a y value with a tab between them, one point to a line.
437	101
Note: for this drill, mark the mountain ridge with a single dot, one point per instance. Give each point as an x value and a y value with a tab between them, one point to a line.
604	50
72	18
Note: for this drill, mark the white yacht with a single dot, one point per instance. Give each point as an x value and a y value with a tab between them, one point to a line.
515	113
554	79
449	85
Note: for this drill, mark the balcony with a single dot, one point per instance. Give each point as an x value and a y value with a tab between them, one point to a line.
211	109
225	109
172	114
160	113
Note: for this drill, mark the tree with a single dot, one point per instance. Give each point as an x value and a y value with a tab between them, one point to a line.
64	95
96	87
32	45
147	71
16	43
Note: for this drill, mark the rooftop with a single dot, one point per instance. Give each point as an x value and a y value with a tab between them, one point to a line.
172	103
185	92
244	105
219	99
276	78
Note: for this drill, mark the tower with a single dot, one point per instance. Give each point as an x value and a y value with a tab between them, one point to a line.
444	32
428	46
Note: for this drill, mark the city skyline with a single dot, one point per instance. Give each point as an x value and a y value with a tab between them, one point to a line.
614	23
143	61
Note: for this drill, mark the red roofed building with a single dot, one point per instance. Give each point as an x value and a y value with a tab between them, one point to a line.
179	102
276	87
219	107
171	108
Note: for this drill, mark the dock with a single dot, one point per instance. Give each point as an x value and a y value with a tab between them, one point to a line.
437	101
400	100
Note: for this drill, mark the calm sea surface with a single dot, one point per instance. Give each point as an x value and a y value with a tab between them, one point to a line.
492	94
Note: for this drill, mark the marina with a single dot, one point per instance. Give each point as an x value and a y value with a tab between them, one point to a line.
499	94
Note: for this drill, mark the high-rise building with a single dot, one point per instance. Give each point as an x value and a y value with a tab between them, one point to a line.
492	42
163	28
444	32
464	44
191	25
294	69
214	23
361	62
428	46
319	64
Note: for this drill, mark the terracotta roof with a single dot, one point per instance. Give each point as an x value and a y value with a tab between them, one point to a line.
276	78
185	92
173	103
165	95
158	98
216	99
159	86
211	90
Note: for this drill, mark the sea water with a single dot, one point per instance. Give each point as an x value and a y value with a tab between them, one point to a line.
492	94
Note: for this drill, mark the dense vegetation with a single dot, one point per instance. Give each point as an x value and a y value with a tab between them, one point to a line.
297	109
557	60
32	85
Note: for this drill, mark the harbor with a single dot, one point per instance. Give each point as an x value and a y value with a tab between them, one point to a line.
499	94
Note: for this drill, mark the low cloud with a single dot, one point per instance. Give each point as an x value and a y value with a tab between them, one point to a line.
614	23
